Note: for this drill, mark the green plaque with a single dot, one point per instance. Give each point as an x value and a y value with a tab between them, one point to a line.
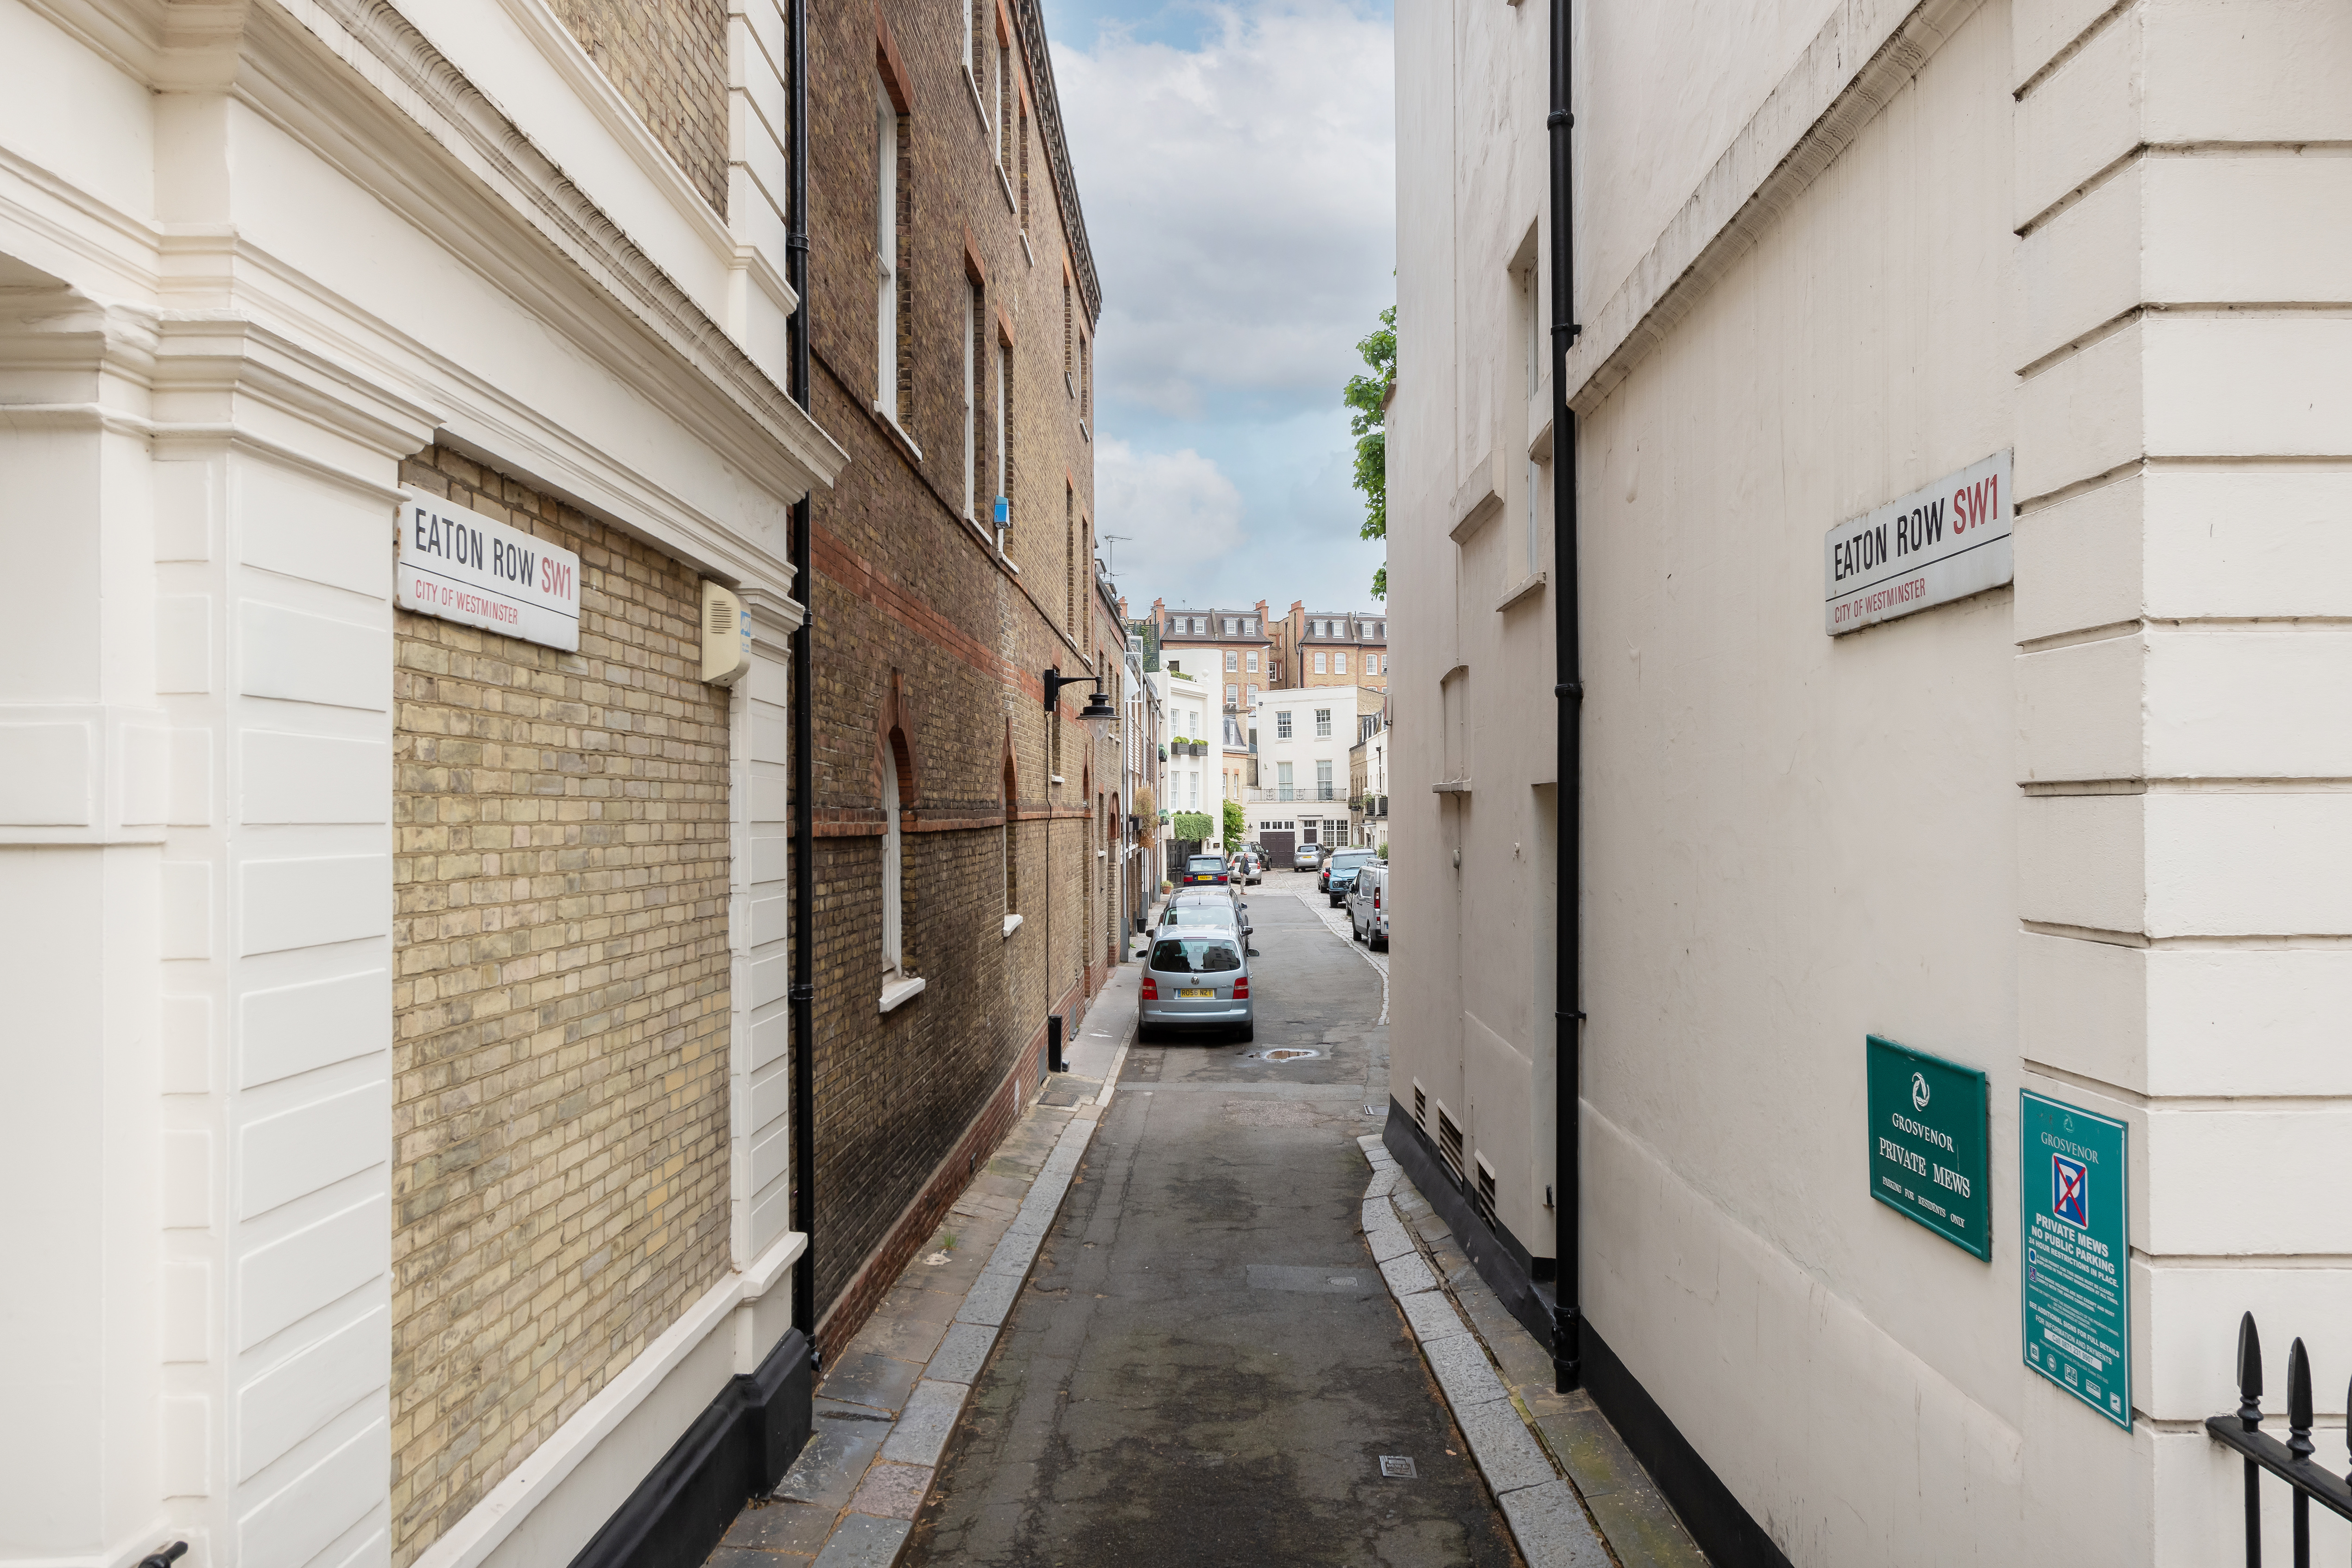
1928	1144
2073	1192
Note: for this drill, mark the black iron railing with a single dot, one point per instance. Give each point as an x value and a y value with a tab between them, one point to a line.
2290	1460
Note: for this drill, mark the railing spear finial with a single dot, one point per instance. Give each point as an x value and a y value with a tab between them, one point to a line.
2249	1374
2298	1402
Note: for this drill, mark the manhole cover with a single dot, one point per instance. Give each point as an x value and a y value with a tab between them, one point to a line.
1282	1054
1399	1465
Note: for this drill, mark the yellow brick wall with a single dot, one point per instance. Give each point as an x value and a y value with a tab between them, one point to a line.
668	59
561	1005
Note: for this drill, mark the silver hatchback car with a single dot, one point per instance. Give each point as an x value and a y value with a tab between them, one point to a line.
1196	978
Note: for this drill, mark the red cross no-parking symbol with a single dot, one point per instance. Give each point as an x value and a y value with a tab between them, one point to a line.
2070	1190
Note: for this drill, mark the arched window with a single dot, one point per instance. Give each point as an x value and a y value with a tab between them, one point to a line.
1010	852
894	944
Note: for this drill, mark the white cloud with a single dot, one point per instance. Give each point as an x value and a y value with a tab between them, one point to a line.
1240	200
1178	511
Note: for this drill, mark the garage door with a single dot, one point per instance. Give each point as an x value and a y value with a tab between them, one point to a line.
1277	847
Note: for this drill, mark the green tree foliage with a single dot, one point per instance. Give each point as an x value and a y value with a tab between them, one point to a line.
1369	424
1236	825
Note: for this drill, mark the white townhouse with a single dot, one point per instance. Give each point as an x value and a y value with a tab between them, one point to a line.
1302	735
399	442
1871	855
1188	718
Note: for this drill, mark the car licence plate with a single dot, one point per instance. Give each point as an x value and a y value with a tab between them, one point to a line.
1203	995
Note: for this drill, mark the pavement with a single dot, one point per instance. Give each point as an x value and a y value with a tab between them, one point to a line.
885	1409
1205	1366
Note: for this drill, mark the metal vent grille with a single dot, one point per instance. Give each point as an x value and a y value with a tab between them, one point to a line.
1420	1107
1449	1145
1482	1197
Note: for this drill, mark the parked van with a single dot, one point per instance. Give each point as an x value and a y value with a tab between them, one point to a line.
1368	906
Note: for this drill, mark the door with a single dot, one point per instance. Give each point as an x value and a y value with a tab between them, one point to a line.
1278	847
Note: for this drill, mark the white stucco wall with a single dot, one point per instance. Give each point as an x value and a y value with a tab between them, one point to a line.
2081	833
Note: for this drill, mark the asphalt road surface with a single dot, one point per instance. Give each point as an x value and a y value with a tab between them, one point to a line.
1205	1367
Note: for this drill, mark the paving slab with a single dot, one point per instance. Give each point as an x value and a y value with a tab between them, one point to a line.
862	1540
892	1490
923	1426
870	1377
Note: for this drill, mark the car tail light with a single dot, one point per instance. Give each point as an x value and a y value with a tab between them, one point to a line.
1150	989
1376	898
1241	989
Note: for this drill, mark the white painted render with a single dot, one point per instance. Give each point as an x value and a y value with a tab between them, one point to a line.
2087	833
247	263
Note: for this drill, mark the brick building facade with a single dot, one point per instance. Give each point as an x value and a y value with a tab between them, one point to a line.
937	165
403	943
560	1001
1331	648
1230	651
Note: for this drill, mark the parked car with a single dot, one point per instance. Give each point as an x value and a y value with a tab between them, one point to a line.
1306	858
1200	869
1201	907
1248	865
1339	872
1368	914
1196	979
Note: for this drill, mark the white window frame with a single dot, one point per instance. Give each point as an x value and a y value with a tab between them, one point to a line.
1232	661
885	250
1322	723
970	403
1282	724
1339	663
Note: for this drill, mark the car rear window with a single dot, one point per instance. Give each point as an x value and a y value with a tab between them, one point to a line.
1194	955
1199	914
1205	863
1350	862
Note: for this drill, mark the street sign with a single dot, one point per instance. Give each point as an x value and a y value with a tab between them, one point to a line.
462	567
2075	1276
1935	545
1929	1143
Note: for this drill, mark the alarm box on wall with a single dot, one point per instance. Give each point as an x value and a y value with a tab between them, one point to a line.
726	640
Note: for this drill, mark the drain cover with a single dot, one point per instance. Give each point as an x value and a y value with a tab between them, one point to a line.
1282	1054
1399	1465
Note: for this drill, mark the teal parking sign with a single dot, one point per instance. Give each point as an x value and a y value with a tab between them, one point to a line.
2073	1192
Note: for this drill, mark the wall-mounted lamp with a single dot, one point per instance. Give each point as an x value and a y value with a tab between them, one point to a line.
1097	715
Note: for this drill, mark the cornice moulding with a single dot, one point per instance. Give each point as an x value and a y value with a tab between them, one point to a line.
1811	115
509	178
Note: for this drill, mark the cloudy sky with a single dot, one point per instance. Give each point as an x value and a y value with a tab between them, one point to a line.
1236	163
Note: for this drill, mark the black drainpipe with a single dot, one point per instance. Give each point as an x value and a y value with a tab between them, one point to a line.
1569	886
803	988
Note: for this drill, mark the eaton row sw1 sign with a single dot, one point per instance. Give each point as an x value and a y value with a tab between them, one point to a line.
462	567
1934	545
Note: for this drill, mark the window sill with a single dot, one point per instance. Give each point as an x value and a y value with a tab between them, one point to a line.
978	104
1070	384
890	423
1027	249
1450	786
1004	183
896	993
1011	924
1055	778
1532	588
